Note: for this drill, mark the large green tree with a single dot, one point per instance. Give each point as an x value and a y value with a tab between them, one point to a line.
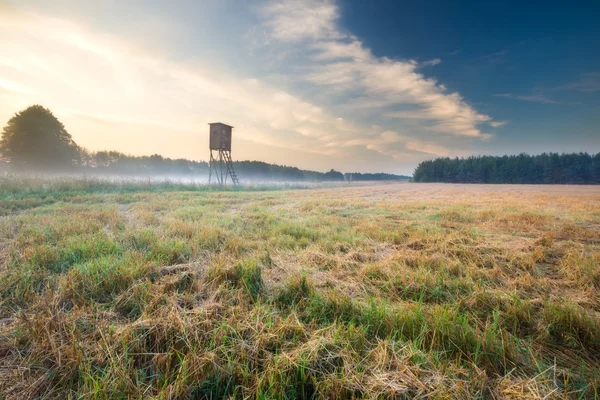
34	139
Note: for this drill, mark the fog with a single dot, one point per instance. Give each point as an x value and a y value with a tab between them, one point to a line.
255	181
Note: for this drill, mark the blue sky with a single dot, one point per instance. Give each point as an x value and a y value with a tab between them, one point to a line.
353	85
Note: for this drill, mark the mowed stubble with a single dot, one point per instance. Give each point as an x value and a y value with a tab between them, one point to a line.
391	290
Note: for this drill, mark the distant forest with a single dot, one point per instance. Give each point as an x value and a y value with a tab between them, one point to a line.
357	176
548	168
115	163
34	140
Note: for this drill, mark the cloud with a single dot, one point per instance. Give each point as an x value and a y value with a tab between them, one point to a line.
428	148
537	98
431	63
589	82
390	137
14	87
113	92
497	56
339	61
289	20
497	124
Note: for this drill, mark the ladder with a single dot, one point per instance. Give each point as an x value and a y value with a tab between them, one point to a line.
230	169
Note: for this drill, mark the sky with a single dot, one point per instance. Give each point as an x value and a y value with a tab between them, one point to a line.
368	86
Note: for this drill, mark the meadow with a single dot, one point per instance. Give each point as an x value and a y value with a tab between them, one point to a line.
148	290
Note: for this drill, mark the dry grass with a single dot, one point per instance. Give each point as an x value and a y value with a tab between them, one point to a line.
389	291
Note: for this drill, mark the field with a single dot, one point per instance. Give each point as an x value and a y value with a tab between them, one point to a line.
400	290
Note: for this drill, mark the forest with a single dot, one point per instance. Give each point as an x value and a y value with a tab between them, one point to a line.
380	176
35	141
545	168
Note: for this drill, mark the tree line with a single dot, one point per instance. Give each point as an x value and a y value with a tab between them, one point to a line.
116	163
547	168
34	140
379	176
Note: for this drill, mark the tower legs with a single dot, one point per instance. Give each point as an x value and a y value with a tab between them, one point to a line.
221	167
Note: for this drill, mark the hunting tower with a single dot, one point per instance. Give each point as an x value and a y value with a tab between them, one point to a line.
220	154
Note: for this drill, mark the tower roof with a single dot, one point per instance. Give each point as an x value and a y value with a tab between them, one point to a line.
220	123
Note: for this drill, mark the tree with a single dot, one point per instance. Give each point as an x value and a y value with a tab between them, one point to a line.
333	175
595	169
34	139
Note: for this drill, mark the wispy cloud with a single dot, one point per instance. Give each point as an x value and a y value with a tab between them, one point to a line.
589	82
117	92
393	144
95	80
497	124
431	63
496	57
306	19
536	98
339	60
13	87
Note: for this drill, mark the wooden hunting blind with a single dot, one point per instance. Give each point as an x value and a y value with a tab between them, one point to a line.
220	136
221	165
